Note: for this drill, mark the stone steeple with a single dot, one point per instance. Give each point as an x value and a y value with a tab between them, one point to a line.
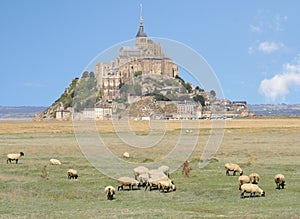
141	32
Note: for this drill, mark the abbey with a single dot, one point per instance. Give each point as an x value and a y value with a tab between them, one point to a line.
146	57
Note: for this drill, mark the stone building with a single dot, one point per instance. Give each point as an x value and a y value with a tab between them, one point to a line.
146	57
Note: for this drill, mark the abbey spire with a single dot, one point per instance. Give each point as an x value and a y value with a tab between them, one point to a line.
141	32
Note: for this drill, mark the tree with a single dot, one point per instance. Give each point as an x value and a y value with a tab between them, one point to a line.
212	93
200	99
85	74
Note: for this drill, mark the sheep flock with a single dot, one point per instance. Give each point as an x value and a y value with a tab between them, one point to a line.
249	184
159	178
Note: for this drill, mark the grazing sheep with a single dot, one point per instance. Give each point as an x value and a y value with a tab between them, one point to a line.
254	178
15	157
127	181
166	185
143	178
110	191
165	170
152	183
279	180
233	167
72	174
156	173
140	170
242	180
126	155
252	189
55	162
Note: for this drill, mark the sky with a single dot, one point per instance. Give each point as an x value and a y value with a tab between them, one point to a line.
252	46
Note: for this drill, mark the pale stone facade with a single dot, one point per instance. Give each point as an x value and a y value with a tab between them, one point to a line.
146	57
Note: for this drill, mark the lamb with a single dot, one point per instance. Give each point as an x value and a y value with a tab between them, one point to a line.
252	189
242	180
254	178
233	167
72	174
166	185
110	191
55	162
165	170
16	157
127	181
140	170
279	180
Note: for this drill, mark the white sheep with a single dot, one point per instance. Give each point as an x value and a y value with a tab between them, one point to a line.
156	173
16	157
165	169
154	180
252	189
166	185
254	178
127	181
143	178
233	167
110	191
152	183
140	170
242	180
72	174
55	162
126	155
279	180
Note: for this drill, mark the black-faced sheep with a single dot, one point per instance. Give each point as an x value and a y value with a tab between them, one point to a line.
254	178
16	157
166	185
243	180
140	170
279	180
72	174
252	189
143	179
110	191
55	162
152	183
233	167
127	181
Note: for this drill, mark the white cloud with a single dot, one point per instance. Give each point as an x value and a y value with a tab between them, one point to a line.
269	47
280	85
265	20
277	21
255	28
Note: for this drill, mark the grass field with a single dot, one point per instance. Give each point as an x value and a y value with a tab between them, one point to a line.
264	145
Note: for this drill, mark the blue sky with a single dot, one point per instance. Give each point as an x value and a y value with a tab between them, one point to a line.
252	46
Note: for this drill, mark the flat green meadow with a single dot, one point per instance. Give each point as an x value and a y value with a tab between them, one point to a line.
264	145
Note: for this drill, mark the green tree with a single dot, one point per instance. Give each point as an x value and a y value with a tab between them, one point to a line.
200	99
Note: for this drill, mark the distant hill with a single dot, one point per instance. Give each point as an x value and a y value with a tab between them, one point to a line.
28	112
20	112
275	109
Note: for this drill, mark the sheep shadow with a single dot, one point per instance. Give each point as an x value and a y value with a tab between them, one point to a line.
253	196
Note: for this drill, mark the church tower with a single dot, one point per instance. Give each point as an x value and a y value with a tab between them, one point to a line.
141	36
